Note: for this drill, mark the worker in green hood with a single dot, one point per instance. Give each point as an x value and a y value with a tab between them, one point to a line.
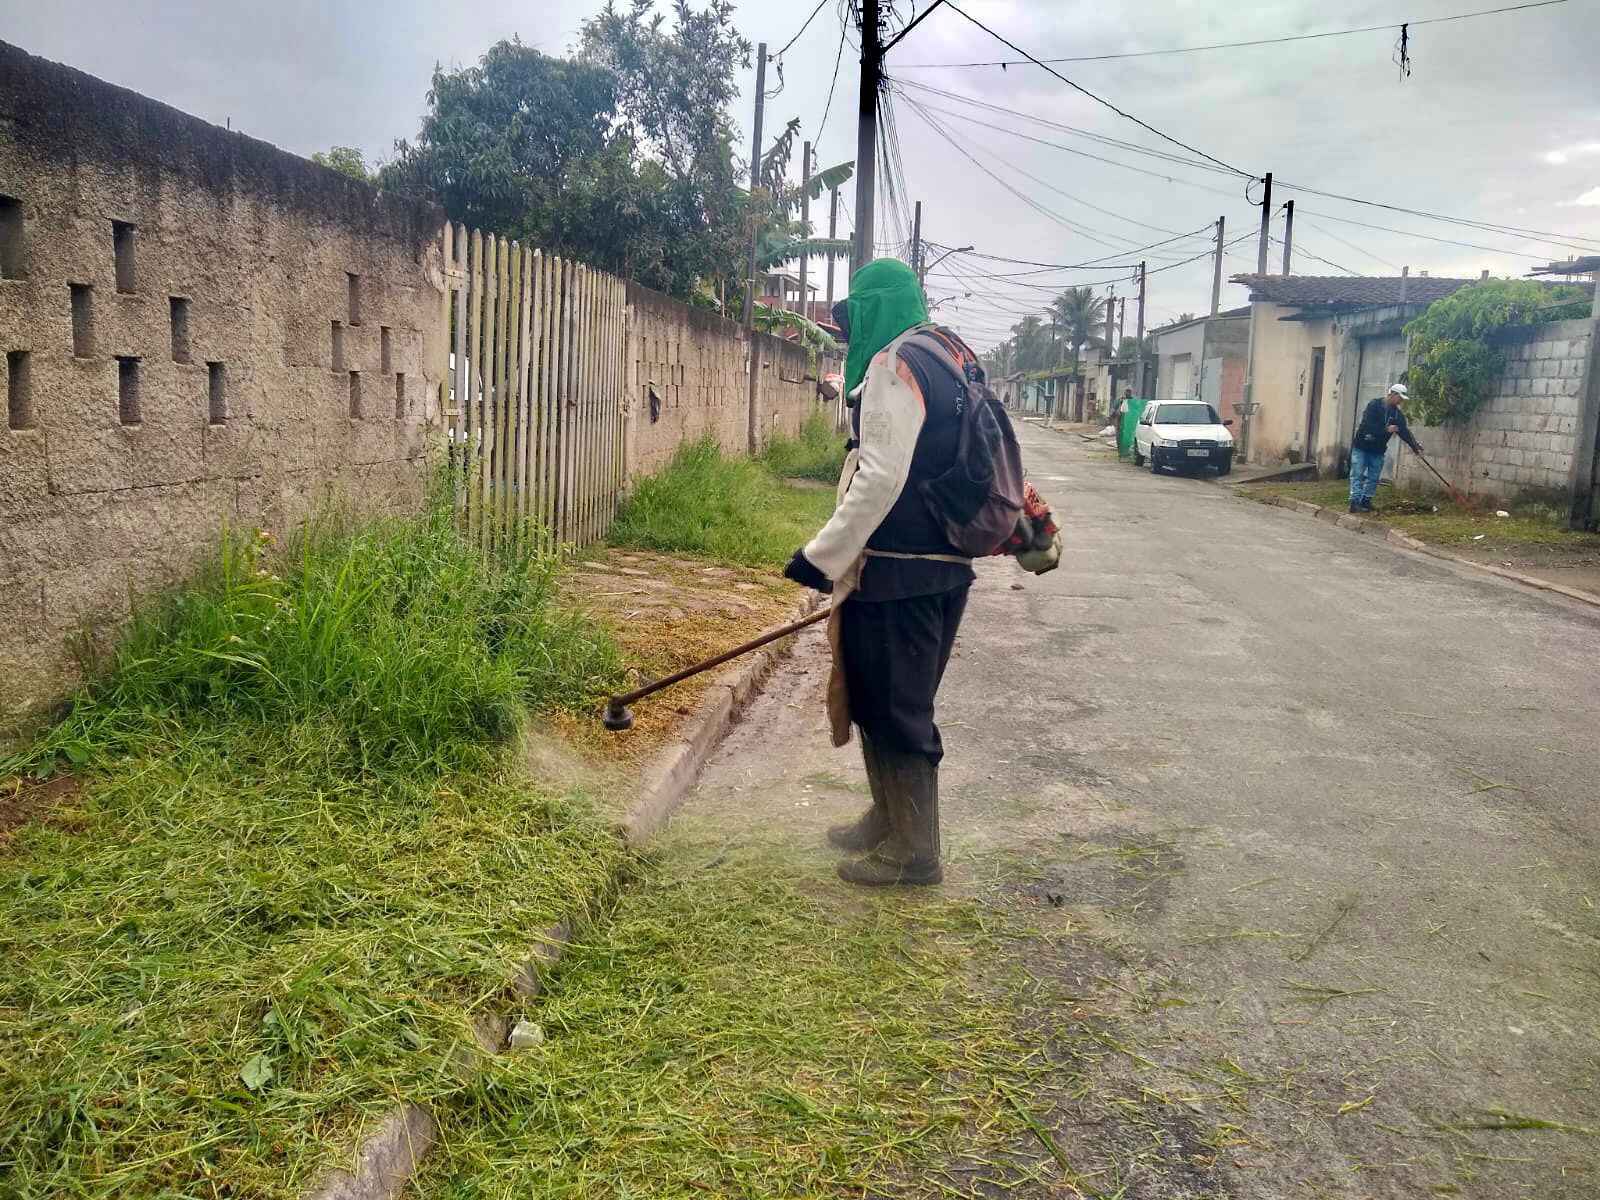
899	585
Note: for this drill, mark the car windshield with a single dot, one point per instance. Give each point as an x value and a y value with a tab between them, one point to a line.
1187	414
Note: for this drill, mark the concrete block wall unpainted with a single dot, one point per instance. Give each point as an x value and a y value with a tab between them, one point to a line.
696	361
239	417
1523	439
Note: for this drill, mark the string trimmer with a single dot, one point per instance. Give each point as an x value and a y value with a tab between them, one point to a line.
619	716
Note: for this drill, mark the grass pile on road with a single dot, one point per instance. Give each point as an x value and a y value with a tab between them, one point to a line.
739	1031
817	453
300	858
721	507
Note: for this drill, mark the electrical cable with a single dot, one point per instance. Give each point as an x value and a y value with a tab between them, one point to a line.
803	28
1166	137
1272	41
837	58
1358	249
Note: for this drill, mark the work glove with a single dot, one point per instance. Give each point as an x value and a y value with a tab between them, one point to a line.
802	572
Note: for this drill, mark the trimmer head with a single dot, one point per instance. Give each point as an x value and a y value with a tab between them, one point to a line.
617	717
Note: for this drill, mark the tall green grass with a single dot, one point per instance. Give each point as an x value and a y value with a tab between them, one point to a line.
816	453
417	646
734	509
302	857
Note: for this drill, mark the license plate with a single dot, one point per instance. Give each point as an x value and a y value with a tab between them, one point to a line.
1199	453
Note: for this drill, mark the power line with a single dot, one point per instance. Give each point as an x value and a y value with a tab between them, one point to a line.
837	58
803	28
1352	245
1272	41
1167	137
1301	252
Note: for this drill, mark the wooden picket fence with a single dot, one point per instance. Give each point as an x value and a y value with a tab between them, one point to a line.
538	374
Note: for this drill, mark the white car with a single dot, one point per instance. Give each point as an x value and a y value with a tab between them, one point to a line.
1182	434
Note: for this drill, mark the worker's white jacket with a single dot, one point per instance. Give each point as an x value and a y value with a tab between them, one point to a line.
892	413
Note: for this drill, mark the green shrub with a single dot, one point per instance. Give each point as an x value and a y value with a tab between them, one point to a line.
817	453
733	509
407	638
1454	364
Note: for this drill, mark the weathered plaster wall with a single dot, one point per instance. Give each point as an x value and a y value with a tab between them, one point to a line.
238	261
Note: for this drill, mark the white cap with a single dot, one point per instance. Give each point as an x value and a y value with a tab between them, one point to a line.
1399	389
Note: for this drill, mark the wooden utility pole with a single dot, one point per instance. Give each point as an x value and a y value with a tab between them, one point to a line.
1288	232
1140	335
1216	271
867	131
833	232
805	224
752	416
1111	322
916	241
1266	224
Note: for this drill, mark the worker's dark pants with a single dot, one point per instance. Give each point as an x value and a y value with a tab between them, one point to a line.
895	653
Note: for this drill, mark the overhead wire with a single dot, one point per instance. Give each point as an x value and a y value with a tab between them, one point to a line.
844	30
1271	41
1123	113
807	25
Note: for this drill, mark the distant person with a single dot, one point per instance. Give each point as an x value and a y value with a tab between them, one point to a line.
1382	419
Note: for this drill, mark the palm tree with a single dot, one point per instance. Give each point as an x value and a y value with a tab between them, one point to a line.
1079	314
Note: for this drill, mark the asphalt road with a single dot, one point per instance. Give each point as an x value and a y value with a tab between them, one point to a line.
1334	805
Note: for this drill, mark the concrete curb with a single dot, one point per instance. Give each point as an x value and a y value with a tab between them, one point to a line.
387	1158
1405	541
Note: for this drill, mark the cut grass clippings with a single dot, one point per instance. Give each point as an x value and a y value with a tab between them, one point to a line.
1414	514
736	1032
300	860
720	507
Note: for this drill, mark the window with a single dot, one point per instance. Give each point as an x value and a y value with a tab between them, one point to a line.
355	395
400	396
385	350
1188	414
122	247
353	287
336	354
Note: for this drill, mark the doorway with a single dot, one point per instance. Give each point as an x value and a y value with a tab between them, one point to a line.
1314	402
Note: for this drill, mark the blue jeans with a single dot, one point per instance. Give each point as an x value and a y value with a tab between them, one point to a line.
1365	467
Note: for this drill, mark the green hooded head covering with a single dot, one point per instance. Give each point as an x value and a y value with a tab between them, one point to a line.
885	300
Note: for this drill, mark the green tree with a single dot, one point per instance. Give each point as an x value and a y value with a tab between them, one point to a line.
1453	362
346	160
1079	315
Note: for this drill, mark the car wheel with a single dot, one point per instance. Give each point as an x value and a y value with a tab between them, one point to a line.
1155	465
1226	465
1138	459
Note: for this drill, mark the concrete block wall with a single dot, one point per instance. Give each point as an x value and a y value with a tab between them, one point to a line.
170	295
1523	440
697	363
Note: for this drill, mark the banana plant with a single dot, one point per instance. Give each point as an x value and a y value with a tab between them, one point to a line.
811	335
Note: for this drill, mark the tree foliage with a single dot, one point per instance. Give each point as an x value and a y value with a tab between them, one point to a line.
621	156
1453	360
346	160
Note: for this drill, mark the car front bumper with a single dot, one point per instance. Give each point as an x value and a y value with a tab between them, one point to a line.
1178	456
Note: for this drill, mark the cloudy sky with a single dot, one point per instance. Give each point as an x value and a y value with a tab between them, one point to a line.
1499	121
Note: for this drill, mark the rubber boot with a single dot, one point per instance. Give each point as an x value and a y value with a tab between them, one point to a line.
873	825
910	854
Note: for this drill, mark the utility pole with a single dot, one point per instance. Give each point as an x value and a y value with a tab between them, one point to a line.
1111	348
755	185
805	224
833	232
1122	320
1266	224
752	416
916	242
1288	232
867	131
1142	396
1216	271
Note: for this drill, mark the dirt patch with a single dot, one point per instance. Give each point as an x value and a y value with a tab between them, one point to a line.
1571	565
25	800
668	612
